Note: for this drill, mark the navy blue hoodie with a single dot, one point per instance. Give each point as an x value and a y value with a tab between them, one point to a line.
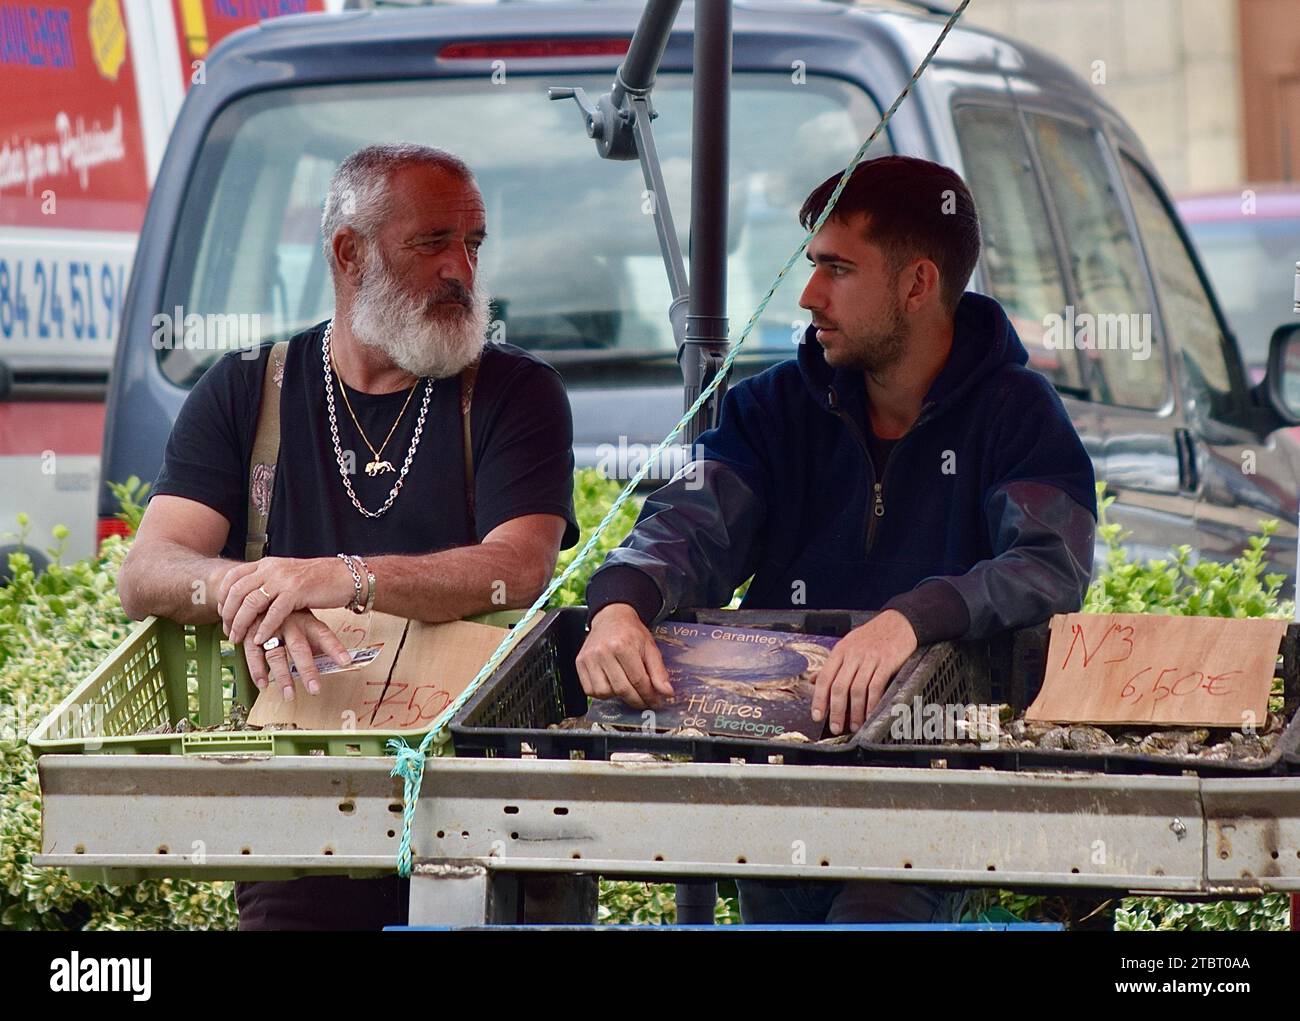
983	518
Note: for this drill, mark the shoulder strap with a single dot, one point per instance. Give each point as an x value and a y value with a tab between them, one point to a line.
467	377
266	452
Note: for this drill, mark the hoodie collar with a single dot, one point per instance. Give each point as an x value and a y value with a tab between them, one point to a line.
983	340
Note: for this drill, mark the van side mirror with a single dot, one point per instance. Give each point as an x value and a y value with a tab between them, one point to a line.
1281	382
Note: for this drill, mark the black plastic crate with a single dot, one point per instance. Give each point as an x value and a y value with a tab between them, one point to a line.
1289	743
538	684
1011	670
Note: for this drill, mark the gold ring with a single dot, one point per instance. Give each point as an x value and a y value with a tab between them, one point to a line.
262	589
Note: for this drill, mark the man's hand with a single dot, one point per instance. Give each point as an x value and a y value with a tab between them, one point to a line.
859	669
619	658
305	636
265	592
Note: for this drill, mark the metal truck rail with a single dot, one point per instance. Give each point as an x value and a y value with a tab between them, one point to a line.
481	824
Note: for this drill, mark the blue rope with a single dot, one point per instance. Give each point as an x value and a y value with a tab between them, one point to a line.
410	761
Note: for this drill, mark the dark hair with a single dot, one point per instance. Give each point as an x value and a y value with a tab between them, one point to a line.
915	208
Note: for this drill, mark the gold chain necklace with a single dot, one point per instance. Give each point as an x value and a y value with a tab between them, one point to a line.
377	466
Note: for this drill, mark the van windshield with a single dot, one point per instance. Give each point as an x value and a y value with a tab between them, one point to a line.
572	260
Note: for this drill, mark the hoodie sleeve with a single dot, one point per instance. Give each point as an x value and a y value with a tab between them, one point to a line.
1040	513
698	536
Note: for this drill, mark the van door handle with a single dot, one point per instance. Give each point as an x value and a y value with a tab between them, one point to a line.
1189	474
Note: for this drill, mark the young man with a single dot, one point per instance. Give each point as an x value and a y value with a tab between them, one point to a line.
905	461
377	387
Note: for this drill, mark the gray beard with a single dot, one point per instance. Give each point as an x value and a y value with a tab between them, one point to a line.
385	317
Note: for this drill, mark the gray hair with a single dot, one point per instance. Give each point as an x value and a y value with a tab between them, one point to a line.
358	195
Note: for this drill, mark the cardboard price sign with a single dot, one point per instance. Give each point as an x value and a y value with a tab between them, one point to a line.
403	674
1149	669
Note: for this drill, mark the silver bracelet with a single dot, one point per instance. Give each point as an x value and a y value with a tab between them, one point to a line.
355	605
370	583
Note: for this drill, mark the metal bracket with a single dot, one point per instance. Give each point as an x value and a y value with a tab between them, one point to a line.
462	894
1252	834
624	133
125	817
676	820
619	123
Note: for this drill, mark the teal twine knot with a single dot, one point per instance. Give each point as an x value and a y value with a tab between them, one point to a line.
410	761
409	765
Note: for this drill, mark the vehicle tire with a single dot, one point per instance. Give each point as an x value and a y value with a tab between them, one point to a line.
39	560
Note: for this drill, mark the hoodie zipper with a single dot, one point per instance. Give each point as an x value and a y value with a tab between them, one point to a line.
877	485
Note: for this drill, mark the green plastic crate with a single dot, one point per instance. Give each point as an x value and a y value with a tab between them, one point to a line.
163	671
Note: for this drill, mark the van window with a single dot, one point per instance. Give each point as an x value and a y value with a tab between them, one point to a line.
1019	260
1112	317
1249	260
1188	314
572	259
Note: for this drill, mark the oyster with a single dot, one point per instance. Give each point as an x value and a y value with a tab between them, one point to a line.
571	723
1055	739
1036	730
1173	742
1088	739
1249	748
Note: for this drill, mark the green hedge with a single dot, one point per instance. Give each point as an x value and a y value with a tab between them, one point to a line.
55	627
1178	586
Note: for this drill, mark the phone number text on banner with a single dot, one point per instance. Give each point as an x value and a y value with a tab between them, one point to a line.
61	299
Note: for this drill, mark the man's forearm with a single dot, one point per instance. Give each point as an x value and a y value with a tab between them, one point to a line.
696	539
457	583
170	580
1045	542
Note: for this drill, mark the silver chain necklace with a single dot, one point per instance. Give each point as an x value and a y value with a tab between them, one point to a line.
334	432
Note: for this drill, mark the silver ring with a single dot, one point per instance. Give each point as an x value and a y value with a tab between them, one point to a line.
262	589
271	643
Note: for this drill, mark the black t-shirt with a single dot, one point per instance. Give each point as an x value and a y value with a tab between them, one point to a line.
520	423
522	432
880	449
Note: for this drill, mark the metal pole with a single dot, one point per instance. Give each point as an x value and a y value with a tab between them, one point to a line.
706	321
637	72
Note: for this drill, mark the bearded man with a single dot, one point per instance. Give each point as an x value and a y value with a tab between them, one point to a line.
371	468
905	461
